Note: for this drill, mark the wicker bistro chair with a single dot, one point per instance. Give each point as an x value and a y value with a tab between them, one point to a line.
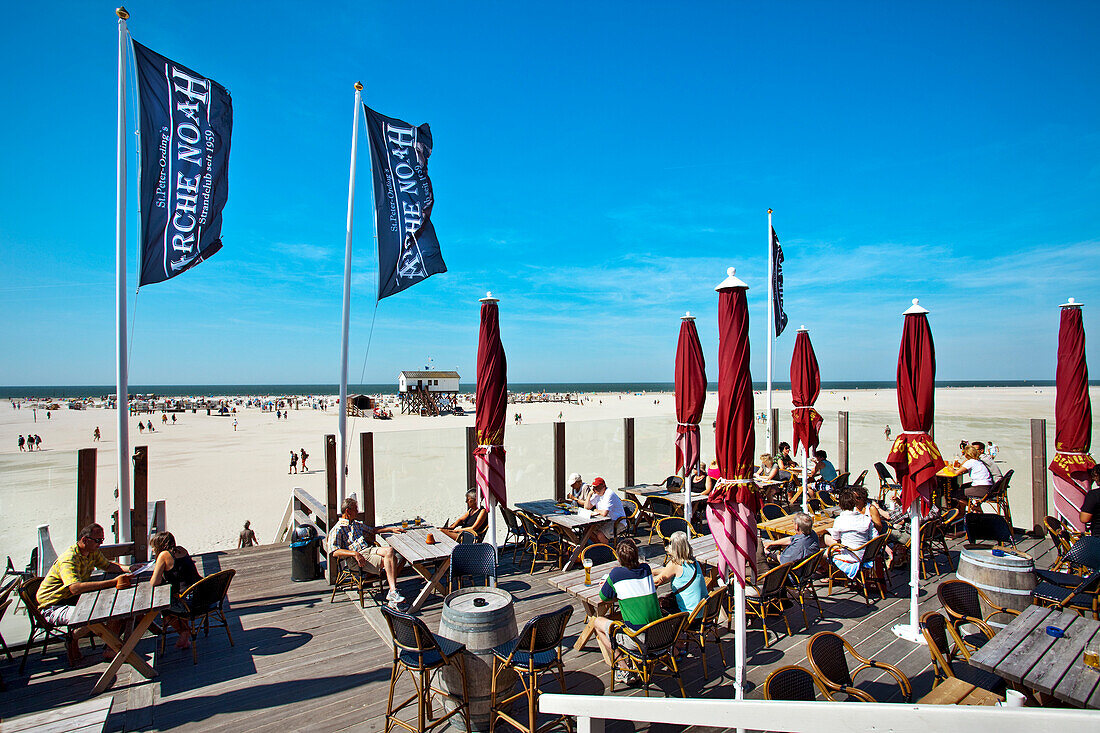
800	584
40	627
630	508
826	498
1062	536
542	542
794	683
205	598
987	527
859	481
872	568
963	603
939	635
535	652
659	508
770	596
998	497
887	485
933	546
467	536
349	576
599	553
1082	597
422	654
648	649
825	651
702	624
669	525
1083	556
478	559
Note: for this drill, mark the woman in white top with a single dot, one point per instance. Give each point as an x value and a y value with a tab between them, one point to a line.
851	530
981	480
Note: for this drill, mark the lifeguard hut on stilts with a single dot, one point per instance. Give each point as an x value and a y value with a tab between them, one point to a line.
427	392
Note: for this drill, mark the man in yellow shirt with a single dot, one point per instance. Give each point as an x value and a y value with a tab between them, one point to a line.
68	578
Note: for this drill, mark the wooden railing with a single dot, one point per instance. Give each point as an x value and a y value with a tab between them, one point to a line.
303	510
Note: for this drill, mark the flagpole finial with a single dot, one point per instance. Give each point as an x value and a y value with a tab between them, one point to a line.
489	298
769	211
122	13
916	309
687	317
1071	303
358	86
732	281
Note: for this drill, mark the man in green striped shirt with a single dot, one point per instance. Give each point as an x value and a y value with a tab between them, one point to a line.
632	585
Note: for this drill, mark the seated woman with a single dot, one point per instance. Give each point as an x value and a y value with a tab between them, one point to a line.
475	519
981	480
631	584
768	470
784	458
685	573
175	567
850	531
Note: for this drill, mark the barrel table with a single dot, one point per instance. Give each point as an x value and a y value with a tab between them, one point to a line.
480	618
1007	580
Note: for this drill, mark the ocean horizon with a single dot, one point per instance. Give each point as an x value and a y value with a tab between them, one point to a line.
241	390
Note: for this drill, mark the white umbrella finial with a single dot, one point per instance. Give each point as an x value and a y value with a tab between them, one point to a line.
803	329
1071	303
731	281
687	317
489	298
916	309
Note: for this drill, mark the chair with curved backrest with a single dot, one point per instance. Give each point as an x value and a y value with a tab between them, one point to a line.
630	509
826	498
987	527
599	553
998	497
202	600
658	508
838	484
349	576
939	636
535	652
702	624
963	603
872	567
478	559
859	481
667	526
542	542
772	511
1082	558
419	652
800	584
1077	589
674	483
467	537
794	683
649	648
825	650
886	482
28	591
768	598
815	505
1061	536
514	530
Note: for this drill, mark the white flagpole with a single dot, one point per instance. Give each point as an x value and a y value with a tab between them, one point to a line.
342	411
122	400
771	331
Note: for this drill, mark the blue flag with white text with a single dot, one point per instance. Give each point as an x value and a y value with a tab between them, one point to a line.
408	250
186	122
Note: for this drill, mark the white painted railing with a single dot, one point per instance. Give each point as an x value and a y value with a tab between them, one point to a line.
815	717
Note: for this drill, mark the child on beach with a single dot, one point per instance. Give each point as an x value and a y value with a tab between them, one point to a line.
293	463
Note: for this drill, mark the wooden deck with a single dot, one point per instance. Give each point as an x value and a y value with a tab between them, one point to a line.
301	662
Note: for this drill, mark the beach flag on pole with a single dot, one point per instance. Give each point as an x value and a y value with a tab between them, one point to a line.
779	317
408	250
491	411
1072	418
186	125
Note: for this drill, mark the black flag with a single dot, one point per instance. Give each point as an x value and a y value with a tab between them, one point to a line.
186	122
408	251
777	286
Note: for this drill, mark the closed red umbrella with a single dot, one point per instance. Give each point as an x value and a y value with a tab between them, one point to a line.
1072	418
914	455
691	394
733	502
491	409
805	389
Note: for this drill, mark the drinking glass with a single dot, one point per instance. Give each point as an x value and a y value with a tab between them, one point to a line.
587	571
404	524
1091	656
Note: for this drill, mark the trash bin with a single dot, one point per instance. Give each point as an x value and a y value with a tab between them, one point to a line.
305	555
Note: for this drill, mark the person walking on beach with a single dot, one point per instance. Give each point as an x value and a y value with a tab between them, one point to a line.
887	432
247	538
164	418
22	443
293	463
304	457
234	425
48	414
151	428
141	427
278	414
173	418
95	435
992	449
37	442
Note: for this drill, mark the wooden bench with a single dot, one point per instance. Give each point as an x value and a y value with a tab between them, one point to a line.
84	717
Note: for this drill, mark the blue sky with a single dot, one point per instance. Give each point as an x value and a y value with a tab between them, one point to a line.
597	166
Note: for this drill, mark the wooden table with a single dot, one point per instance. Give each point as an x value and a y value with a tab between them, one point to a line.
577	530
412	546
644	493
589	596
85	717
784	526
1025	654
96	609
953	691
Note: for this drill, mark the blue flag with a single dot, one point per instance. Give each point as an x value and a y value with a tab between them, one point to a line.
777	285
408	251
186	122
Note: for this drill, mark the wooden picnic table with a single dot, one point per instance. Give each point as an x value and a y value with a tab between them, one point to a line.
140	602
784	526
589	595
1022	652
413	546
953	691
644	494
574	527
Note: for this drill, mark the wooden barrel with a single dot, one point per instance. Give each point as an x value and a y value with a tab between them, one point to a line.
1007	581
480	618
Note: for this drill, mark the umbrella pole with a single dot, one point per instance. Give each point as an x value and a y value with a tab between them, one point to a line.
739	639
911	631
493	528
805	478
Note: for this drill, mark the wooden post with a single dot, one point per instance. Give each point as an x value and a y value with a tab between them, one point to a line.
366	471
139	512
774	447
332	510
471	464
85	487
628	451
559	461
842	441
1038	475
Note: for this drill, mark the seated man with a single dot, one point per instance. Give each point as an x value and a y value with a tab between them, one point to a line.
68	578
354	540
632	585
577	491
605	503
795	548
475	519
987	459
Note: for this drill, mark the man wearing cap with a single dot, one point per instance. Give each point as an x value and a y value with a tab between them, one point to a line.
605	503
577	491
